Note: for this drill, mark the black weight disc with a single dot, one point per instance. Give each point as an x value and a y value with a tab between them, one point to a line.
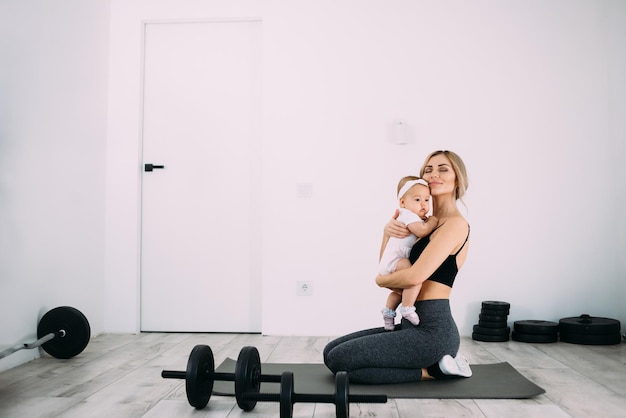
496	305
492	331
286	395
534	338
342	395
76	327
199	376
493	318
531	326
591	339
489	338
493	312
585	324
490	324
247	373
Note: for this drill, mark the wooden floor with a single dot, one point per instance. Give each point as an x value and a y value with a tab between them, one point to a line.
119	376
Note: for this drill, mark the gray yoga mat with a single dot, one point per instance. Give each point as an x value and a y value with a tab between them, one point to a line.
488	381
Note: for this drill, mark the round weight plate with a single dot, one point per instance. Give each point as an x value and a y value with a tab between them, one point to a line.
490	324
493	312
493	318
496	305
489	338
247	372
532	326
342	395
534	338
286	395
492	331
76	327
199	376
591	339
586	324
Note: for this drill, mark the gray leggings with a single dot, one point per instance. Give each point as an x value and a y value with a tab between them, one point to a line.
377	356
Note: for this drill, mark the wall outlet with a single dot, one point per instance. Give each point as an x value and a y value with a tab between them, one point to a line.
304	190
304	288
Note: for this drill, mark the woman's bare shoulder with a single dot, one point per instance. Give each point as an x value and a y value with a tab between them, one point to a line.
454	222
455	227
457	222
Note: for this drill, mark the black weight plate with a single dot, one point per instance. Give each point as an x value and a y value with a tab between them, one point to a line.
342	395
490	324
534	338
76	327
589	325
489	338
493	318
286	395
247	373
493	312
199	376
496	305
531	326
591	339
492	331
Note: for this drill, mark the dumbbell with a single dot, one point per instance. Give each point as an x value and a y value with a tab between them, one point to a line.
200	376
341	398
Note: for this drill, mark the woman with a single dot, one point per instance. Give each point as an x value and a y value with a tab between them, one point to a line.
424	352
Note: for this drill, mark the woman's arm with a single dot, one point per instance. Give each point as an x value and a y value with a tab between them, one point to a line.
447	239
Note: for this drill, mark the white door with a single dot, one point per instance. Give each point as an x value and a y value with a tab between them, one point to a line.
200	240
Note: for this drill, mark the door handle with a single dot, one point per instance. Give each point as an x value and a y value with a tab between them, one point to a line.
150	167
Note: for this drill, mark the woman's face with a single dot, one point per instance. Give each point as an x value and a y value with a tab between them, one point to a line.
440	176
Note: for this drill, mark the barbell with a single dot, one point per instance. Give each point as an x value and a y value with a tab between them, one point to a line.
200	377
62	332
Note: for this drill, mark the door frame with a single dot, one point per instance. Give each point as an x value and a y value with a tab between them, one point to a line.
256	230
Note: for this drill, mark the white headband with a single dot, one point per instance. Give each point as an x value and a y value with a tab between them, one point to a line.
410	184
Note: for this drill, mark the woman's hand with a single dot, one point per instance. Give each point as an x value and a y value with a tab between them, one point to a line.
395	228
378	280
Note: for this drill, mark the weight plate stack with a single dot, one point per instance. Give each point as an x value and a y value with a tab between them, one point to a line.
535	331
586	329
492	322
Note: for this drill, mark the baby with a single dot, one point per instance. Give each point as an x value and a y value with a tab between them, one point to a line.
414	202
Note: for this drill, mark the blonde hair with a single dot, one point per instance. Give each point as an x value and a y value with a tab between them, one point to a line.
462	182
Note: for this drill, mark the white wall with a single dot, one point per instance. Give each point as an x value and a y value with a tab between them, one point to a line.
53	83
521	90
532	95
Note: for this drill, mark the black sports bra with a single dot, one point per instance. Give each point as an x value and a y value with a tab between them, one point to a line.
447	271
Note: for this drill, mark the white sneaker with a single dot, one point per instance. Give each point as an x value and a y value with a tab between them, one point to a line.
455	366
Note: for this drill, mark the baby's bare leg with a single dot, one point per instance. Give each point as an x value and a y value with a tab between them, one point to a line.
409	296
389	311
407	308
393	300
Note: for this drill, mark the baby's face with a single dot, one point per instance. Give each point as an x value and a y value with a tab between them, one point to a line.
417	200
